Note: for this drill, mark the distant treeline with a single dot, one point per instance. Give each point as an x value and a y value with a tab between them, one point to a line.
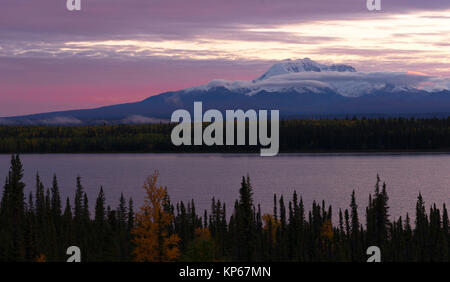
40	227
324	135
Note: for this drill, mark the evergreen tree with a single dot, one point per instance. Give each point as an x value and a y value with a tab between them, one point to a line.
245	222
100	211
56	199
421	230
130	214
13	213
355	243
36	231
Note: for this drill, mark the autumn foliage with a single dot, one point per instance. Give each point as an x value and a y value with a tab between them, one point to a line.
271	226
41	258
326	231
151	235
38	230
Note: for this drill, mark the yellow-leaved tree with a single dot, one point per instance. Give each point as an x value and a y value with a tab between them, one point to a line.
271	226
327	230
41	258
326	233
151	235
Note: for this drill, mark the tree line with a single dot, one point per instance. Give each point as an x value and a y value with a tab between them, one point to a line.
40	227
321	135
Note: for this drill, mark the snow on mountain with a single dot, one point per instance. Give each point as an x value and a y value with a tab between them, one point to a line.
303	65
296	88
307	76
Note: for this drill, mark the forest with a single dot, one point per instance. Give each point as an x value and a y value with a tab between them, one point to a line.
320	135
40	227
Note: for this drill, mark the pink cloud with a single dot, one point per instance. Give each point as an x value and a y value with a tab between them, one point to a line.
39	82
41	85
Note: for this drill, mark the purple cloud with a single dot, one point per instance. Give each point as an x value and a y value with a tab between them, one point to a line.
39	72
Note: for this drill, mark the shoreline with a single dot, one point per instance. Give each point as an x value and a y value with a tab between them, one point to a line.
283	154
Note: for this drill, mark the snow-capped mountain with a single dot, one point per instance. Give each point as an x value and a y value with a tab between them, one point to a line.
303	65
298	88
305	75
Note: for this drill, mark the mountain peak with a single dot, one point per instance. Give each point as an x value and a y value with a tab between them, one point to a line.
303	65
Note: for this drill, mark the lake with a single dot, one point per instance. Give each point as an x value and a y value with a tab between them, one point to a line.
329	177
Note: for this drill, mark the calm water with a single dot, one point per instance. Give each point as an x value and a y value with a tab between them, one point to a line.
331	177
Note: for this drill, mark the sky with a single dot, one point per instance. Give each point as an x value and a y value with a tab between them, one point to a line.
117	51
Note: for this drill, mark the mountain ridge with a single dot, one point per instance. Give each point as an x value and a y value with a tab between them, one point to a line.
303	65
304	88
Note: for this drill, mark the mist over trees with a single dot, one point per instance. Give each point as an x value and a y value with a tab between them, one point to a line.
40	226
324	135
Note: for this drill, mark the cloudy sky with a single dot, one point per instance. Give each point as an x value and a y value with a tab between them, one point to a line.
116	51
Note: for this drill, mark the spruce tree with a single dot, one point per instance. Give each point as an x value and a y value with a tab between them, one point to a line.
245	222
56	199
15	219
355	243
